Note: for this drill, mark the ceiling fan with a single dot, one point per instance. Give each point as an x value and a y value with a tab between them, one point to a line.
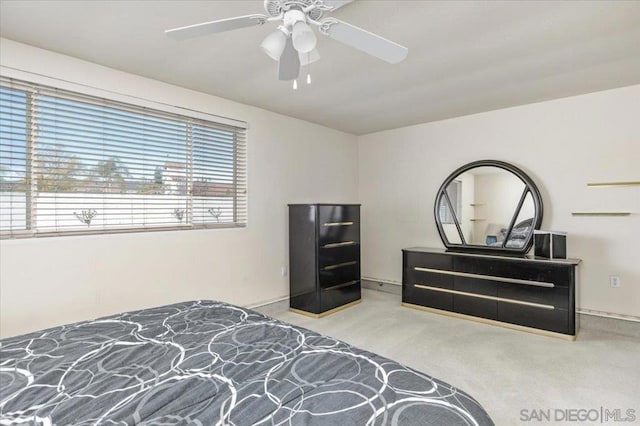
293	43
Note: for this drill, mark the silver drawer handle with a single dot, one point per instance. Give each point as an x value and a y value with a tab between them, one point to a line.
482	296
337	224
342	244
347	284
339	265
487	277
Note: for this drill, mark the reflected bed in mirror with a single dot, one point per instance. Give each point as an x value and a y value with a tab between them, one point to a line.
488	206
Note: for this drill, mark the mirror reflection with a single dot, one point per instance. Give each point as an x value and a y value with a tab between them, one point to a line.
523	226
450	211
480	205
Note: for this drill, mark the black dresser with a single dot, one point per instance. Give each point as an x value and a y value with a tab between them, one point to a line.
324	257
518	292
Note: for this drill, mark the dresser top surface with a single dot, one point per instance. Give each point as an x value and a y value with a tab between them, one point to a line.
493	256
325	204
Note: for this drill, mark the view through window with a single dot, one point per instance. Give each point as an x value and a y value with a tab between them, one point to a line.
72	163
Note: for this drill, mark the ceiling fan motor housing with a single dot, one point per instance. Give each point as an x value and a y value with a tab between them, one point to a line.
293	16
278	7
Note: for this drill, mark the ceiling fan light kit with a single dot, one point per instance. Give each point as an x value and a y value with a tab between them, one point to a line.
274	43
304	39
293	43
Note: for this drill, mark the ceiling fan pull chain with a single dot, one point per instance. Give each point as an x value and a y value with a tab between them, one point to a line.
308	68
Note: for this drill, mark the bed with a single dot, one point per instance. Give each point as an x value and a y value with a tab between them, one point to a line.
206	363
517	239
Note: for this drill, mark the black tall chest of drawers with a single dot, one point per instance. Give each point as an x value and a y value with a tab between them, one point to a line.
531	294
324	257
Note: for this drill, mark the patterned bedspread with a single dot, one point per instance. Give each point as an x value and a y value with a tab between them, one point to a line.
209	363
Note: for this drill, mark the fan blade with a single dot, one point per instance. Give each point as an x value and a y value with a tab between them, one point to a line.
363	40
218	26
335	4
289	66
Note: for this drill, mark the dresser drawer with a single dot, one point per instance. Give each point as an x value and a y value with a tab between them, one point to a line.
425	297
556	320
474	306
332	298
558	275
342	233
428	260
553	296
339	253
339	213
475	286
338	224
432	279
340	273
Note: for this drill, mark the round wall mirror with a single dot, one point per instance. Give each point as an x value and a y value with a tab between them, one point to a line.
488	206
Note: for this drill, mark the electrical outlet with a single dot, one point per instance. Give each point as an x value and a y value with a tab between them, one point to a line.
614	280
285	271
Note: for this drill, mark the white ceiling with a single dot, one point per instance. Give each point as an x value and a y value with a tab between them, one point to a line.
464	57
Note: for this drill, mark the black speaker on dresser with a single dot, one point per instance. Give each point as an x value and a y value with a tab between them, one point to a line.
324	257
550	244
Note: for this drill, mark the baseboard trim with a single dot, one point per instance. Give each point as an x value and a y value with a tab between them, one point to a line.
273	308
271	302
609	315
590	320
383	286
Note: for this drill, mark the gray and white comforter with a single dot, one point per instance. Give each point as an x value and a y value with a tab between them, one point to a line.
212	363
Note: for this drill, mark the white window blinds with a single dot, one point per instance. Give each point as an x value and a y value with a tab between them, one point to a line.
72	163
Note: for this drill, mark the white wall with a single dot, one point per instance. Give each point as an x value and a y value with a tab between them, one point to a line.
561	144
50	281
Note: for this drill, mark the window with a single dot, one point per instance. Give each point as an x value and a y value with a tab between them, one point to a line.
72	163
454	191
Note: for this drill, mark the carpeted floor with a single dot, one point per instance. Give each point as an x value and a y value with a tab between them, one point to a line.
507	371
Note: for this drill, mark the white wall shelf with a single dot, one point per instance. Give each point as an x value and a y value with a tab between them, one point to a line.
612	184
600	213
